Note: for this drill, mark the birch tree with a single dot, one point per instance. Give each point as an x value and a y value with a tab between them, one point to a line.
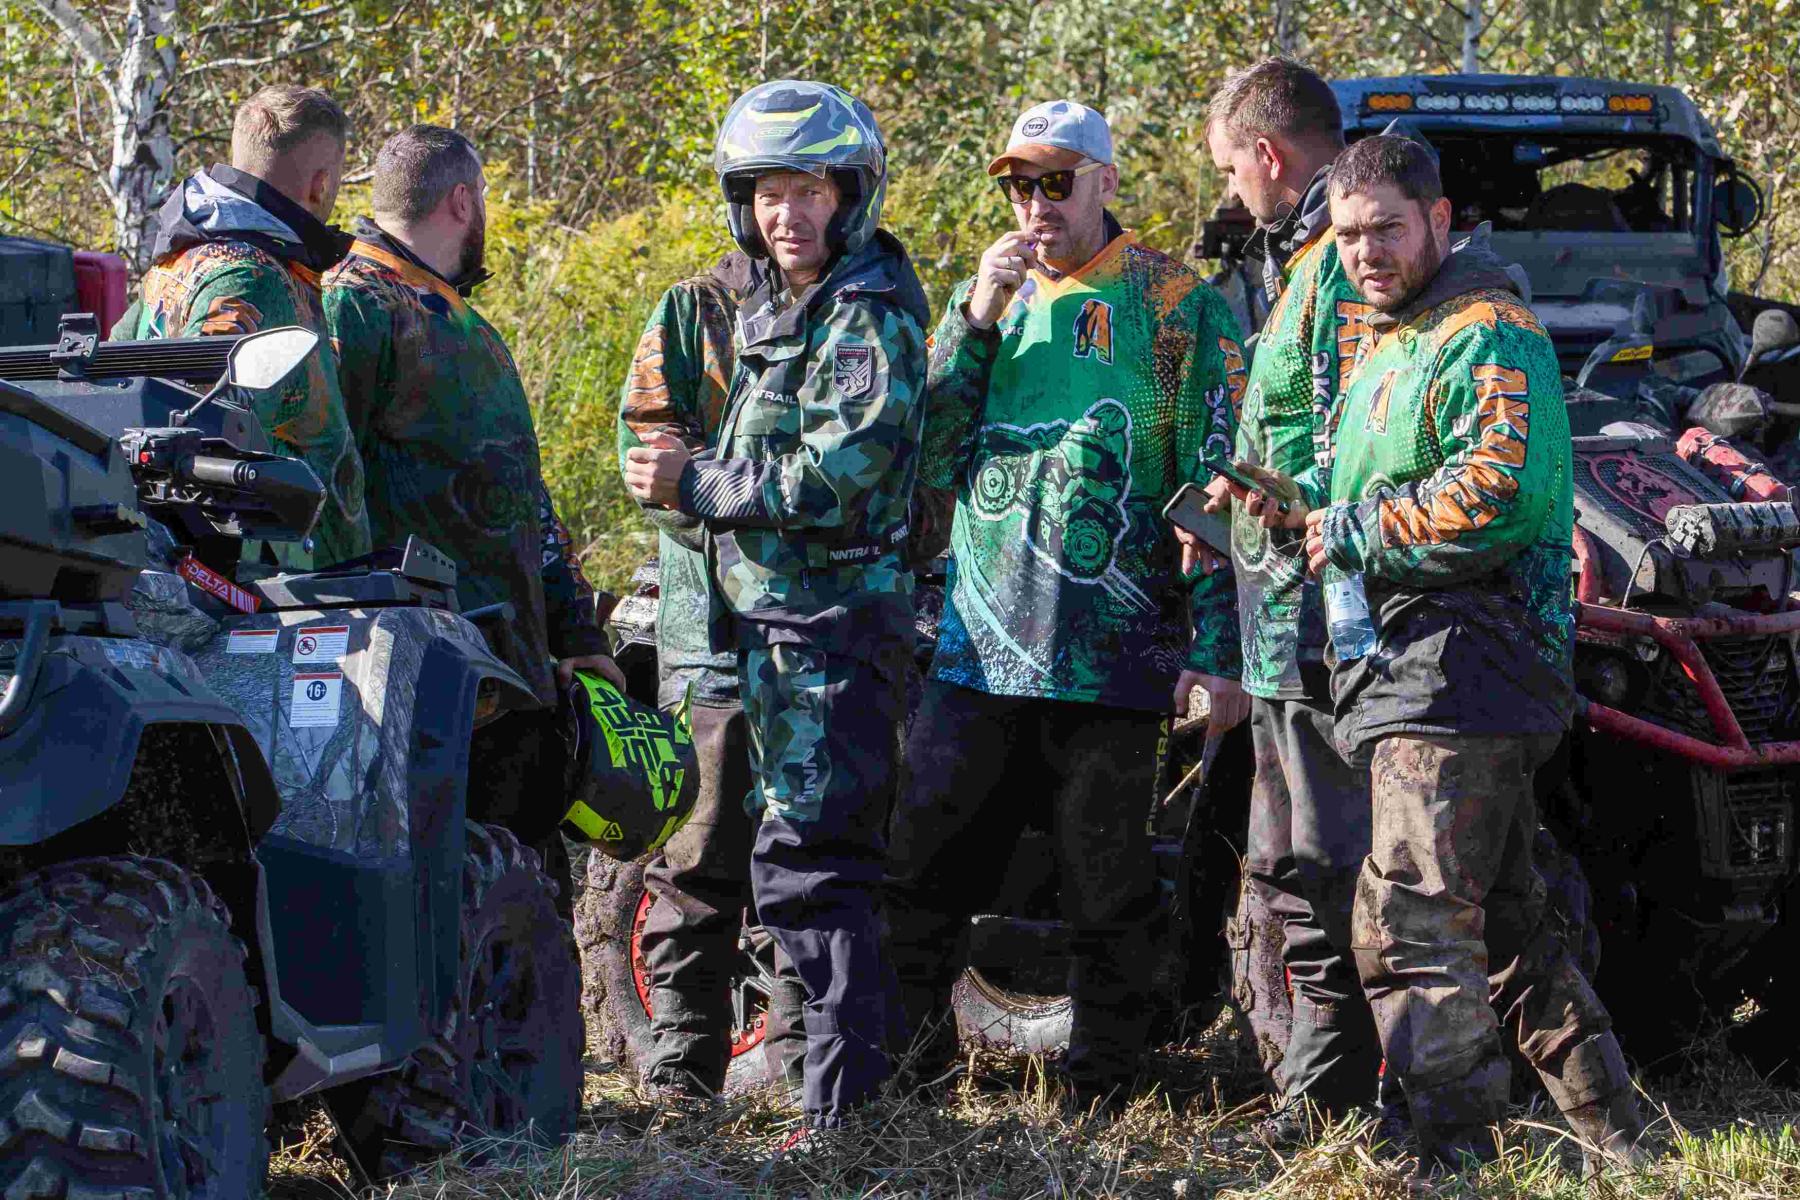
135	71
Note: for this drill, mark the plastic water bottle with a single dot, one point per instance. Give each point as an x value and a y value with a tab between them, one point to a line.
1347	616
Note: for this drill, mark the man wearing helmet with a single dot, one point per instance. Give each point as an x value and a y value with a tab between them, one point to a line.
804	506
1074	384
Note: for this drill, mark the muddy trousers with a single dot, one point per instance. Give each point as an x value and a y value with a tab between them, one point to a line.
1455	945
980	765
1309	834
700	883
822	742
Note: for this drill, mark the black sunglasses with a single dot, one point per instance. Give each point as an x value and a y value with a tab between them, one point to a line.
1056	185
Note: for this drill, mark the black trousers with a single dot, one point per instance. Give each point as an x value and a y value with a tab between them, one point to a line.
956	827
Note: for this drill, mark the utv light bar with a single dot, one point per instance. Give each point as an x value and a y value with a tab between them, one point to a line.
190	360
1486	103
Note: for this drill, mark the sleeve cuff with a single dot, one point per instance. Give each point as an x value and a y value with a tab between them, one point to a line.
728	490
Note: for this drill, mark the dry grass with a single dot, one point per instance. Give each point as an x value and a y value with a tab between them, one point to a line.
1002	1133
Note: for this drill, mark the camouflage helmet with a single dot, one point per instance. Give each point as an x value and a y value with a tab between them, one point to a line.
798	125
634	776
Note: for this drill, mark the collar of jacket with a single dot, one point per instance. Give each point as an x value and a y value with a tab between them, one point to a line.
319	248
1471	266
373	236
880	268
1279	242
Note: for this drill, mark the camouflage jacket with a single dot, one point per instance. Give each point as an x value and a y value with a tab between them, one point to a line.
233	255
1451	492
1065	430
679	380
446	436
1302	357
805	499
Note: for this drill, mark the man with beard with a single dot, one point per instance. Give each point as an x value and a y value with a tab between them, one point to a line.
445	432
1074	383
1273	130
1451	506
804	502
242	247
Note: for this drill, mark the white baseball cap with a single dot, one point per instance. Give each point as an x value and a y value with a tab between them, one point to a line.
1059	134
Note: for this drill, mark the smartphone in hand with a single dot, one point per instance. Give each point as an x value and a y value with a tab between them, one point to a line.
1221	466
1187	508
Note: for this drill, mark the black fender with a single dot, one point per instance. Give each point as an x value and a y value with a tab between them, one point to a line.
69	758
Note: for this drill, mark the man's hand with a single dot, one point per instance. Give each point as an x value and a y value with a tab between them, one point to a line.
1001	273
1229	702
653	470
1315	541
1265	503
1194	550
595	664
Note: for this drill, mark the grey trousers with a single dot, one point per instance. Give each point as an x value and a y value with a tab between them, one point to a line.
1310	823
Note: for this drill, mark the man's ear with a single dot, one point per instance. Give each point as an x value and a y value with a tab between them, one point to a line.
461	203
321	190
1439	216
1109	183
1273	158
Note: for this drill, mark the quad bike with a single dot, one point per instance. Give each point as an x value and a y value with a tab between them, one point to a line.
1014	991
235	864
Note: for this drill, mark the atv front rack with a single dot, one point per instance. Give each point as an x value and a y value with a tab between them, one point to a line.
1681	637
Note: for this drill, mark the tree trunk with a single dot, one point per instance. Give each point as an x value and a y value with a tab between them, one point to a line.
1471	47
137	86
143	156
1284	27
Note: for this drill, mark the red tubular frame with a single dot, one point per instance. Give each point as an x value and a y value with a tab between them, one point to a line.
1681	637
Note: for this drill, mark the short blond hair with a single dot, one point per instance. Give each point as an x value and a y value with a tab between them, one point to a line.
281	118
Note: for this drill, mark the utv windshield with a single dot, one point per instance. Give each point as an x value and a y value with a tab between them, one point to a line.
1592	184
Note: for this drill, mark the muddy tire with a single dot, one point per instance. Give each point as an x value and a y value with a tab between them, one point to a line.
507	1062
609	918
131	1064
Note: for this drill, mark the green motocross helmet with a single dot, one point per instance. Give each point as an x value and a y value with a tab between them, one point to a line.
635	774
798	125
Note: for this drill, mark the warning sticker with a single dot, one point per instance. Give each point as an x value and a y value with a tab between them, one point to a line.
252	641
321	643
315	700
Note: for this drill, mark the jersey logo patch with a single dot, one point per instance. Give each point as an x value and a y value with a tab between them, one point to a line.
1093	331
852	370
1378	406
1352	324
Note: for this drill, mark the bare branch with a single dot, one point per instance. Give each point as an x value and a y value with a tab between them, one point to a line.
297	14
220	64
85	38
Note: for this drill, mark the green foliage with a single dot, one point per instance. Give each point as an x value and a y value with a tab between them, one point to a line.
571	304
598	122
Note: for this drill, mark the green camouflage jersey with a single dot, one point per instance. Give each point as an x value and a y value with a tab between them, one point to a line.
1066	429
218	278
1451	492
805	498
1302	356
447	440
679	380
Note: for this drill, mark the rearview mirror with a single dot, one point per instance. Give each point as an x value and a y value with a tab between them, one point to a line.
265	360
1737	205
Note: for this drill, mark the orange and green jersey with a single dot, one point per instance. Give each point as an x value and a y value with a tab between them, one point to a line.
1064	431
1451	492
1302	358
